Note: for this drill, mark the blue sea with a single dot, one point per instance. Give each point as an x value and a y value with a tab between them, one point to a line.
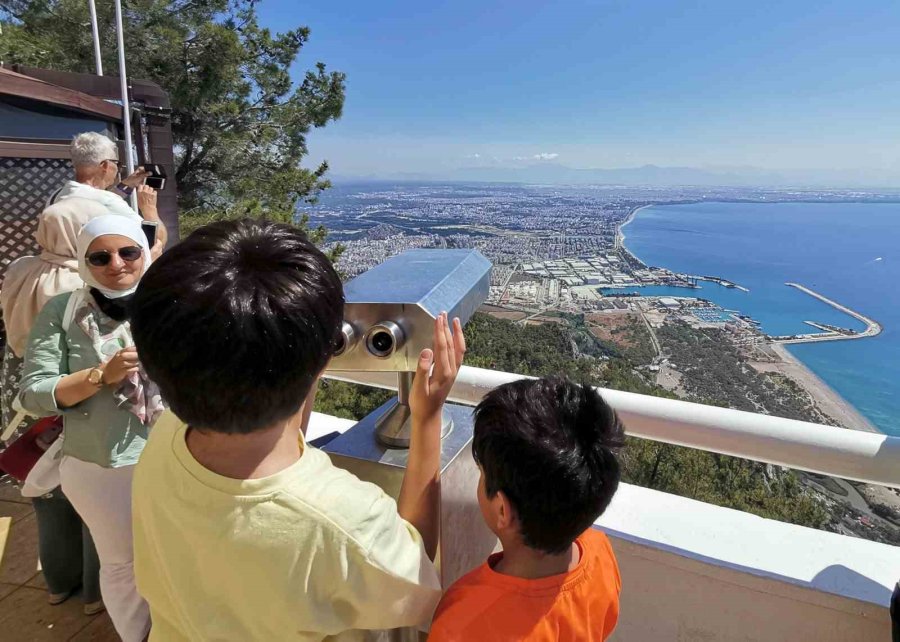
848	252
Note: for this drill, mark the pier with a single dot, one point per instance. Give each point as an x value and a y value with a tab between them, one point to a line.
719	281
873	328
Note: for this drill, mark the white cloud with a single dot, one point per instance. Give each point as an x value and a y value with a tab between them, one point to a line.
475	156
543	156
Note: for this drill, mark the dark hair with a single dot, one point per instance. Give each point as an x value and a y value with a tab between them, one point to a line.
235	322
548	445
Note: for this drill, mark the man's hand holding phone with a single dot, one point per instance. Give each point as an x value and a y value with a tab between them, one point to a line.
146	197
136	178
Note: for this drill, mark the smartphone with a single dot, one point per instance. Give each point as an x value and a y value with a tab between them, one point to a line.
149	228
157	178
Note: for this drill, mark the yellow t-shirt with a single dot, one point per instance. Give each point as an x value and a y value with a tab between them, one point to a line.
311	553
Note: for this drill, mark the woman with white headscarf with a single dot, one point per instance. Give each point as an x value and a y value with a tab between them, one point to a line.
66	550
81	363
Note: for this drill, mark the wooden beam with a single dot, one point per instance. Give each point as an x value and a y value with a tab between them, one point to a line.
13	84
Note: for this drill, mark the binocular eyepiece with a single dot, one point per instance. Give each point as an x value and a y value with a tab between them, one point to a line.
381	340
384	338
346	339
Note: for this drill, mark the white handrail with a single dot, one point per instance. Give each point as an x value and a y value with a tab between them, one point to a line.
828	450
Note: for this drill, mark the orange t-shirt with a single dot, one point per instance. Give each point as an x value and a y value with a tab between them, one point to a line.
578	606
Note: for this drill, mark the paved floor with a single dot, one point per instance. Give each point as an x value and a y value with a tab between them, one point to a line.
25	615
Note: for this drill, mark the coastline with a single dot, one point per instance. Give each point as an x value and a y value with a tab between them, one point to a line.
828	400
620	235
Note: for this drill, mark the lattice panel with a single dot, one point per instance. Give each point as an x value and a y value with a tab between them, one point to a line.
25	185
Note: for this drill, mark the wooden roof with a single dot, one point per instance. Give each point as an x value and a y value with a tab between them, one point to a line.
14	84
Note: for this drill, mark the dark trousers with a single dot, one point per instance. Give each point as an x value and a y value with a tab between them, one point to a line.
68	556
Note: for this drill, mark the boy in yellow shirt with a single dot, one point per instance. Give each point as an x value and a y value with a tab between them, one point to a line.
242	531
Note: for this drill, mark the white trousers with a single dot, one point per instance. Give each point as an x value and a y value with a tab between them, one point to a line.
102	496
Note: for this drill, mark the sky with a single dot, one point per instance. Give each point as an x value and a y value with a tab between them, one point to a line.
434	86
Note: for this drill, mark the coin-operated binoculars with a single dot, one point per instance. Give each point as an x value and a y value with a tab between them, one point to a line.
389	319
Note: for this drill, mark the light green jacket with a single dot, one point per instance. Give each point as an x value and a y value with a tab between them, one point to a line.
97	430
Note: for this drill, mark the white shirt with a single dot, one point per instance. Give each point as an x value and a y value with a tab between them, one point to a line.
112	201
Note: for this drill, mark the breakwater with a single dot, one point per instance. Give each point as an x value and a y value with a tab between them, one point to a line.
873	328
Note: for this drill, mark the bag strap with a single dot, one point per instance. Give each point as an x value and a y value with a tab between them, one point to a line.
55	195
18	418
75	300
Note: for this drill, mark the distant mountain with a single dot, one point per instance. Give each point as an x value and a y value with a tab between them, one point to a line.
653	175
554	173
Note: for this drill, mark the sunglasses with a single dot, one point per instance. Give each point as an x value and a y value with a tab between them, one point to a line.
102	257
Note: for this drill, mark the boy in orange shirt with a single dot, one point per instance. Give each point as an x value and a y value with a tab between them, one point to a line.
545	448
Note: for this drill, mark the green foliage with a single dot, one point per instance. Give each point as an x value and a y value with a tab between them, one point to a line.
536	350
348	400
239	121
713	369
726	481
638	345
587	344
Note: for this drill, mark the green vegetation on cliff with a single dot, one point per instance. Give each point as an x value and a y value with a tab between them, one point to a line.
713	368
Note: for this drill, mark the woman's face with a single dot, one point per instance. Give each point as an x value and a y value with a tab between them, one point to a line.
119	273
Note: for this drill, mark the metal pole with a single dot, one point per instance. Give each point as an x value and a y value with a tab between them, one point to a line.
96	34
126	108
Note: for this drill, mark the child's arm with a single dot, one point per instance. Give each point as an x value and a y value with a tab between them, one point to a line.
420	493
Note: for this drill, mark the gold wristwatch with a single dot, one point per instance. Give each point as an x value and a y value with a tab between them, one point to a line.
95	377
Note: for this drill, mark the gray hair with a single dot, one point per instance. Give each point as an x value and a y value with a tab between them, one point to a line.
91	148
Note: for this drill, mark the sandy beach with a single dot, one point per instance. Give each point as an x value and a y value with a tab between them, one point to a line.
620	234
825	397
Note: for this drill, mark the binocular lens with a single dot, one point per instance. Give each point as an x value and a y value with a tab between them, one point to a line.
382	341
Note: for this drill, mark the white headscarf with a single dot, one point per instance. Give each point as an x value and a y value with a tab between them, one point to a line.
31	281
106	226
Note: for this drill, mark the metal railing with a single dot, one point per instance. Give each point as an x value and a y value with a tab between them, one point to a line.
851	454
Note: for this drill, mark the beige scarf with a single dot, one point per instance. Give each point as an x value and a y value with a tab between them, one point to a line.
31	281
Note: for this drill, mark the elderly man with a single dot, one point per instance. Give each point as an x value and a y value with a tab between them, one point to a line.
96	161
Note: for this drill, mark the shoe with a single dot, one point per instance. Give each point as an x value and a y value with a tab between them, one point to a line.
93	608
58	598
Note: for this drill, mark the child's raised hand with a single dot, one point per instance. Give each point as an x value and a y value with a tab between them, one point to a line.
429	392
